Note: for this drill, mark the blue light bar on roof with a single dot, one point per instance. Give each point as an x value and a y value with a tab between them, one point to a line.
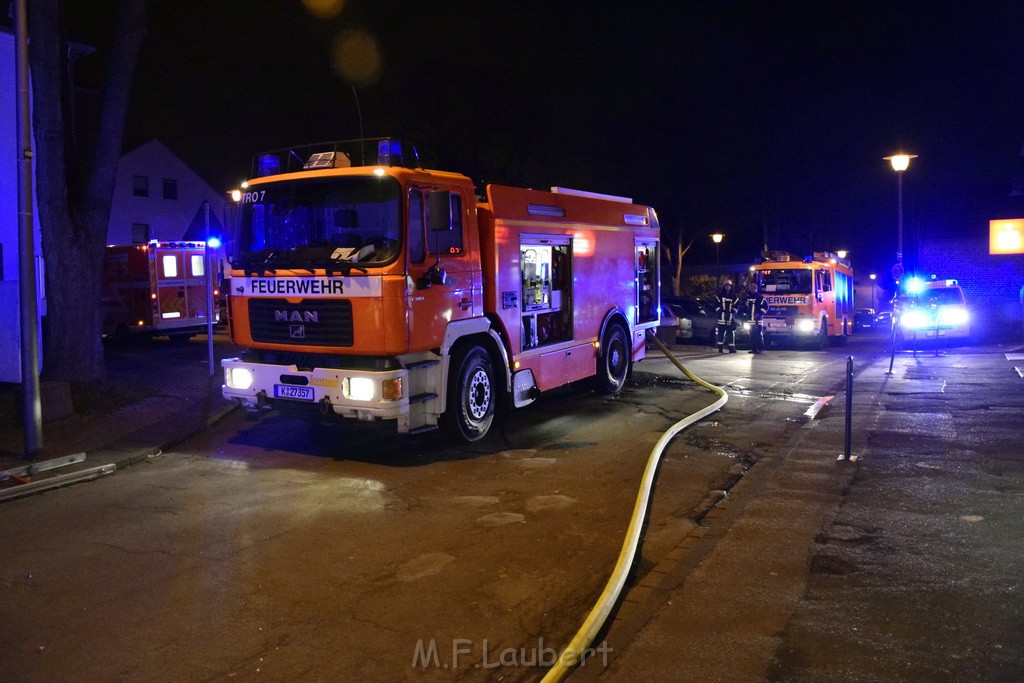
268	164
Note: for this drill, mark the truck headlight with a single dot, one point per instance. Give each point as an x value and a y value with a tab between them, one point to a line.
360	388
238	378
914	320
805	325
949	315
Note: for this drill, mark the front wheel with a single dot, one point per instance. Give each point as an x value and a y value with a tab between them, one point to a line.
613	361
471	395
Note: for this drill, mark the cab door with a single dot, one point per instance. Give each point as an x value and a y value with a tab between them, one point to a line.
444	278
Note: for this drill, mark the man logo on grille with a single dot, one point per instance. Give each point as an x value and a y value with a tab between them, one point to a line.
297	332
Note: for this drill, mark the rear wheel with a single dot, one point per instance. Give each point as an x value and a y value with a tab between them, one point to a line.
613	361
471	395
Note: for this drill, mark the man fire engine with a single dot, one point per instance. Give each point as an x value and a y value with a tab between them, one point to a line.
384	290
809	300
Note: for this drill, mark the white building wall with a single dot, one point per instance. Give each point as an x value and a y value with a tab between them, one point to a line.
168	219
10	330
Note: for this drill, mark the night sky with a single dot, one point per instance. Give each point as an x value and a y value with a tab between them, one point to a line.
748	118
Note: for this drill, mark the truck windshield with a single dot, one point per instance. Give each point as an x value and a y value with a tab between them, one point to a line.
318	223
790	281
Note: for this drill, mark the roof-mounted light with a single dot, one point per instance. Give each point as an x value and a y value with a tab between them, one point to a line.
268	164
397	153
327	160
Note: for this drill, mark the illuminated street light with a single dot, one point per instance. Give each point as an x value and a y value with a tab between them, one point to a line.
900	163
872	276
717	239
841	253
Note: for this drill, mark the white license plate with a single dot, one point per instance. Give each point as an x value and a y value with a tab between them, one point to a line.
293	392
774	324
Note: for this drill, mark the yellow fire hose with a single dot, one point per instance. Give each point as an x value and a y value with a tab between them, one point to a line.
575	651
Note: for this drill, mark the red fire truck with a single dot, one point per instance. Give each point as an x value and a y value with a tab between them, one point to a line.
379	289
810	299
158	288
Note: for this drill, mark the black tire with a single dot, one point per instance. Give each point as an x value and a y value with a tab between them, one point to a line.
613	361
472	395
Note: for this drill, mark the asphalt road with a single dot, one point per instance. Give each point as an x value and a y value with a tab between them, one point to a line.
264	548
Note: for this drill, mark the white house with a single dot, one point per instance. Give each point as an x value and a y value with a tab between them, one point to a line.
10	330
156	196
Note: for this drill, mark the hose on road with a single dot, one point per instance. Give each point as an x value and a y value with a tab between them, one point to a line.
574	653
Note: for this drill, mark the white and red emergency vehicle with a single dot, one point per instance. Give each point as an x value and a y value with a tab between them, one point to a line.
157	288
384	290
809	299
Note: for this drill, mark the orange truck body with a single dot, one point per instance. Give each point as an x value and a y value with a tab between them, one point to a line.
158	288
809	299
507	296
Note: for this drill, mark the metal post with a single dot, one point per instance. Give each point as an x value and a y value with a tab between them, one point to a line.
849	410
28	311
209	290
899	213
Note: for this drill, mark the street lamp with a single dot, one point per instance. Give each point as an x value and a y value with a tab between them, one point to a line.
717	239
872	276
899	162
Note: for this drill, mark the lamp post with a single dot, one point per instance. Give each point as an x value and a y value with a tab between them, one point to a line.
872	276
899	162
717	239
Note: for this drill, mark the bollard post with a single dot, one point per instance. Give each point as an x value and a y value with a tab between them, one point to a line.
849	410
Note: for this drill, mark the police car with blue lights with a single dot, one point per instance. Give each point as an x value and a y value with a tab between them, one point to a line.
934	309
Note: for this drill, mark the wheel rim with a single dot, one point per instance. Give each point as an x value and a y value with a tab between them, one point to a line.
616	359
478	394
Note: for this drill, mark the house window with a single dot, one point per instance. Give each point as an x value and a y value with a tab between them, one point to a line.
140	233
170	188
140	186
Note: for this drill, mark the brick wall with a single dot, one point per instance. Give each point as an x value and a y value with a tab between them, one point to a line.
991	284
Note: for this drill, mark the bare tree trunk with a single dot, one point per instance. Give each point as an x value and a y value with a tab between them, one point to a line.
74	210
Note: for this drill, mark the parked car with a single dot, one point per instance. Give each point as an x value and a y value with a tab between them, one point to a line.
703	319
883	320
864	319
674	327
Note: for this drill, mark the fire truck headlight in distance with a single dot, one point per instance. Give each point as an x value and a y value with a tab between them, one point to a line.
914	320
359	388
238	378
804	325
746	326
952	315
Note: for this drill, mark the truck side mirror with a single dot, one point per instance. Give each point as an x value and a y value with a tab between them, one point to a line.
433	276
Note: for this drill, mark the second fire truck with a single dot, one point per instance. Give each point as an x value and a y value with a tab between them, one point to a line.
810	299
377	289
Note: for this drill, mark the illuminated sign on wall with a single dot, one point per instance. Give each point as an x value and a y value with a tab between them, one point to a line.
1006	236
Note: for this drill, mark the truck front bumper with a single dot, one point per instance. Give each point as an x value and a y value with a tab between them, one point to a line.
357	394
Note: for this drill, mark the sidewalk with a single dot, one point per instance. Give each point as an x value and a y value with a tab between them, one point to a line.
160	395
905	565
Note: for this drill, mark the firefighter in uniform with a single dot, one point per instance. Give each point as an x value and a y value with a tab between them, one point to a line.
754	308
725	329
